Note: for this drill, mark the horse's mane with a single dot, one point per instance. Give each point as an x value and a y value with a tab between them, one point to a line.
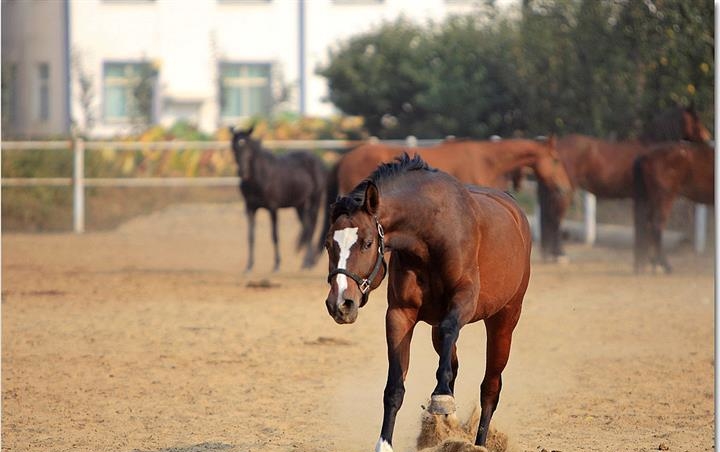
384	173
667	126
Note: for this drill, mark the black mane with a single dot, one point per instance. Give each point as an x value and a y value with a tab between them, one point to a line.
385	172
666	126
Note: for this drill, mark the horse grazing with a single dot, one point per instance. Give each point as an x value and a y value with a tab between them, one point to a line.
296	179
458	254
670	169
490	163
605	168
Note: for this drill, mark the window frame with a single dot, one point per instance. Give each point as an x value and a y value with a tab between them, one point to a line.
245	83
42	92
130	115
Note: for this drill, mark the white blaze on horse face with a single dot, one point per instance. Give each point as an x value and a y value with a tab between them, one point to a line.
345	239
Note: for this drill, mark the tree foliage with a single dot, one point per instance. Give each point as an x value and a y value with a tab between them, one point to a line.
601	67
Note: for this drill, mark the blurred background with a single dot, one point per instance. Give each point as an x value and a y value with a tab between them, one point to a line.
140	71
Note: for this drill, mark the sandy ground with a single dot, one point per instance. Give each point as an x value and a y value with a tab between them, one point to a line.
148	339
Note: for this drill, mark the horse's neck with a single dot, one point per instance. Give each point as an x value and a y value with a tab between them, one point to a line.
518	155
260	164
403	233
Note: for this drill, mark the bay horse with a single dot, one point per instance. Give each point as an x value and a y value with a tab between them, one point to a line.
296	179
669	170
605	168
489	163
458	254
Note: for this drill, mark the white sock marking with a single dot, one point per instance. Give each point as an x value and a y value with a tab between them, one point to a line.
383	446
345	239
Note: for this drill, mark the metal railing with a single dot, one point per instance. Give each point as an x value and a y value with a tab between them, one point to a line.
79	181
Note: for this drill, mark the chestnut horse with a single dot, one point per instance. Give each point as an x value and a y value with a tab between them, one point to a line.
458	254
296	179
605	168
670	169
487	163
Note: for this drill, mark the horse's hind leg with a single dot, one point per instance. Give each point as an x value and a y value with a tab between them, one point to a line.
659	220
307	220
273	220
499	337
251	238
302	217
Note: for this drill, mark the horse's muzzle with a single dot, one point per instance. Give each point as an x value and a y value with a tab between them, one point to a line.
345	312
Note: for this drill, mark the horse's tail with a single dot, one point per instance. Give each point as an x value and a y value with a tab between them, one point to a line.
320	176
332	189
318	173
642	213
553	204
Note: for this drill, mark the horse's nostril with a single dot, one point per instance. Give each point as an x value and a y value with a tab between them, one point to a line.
348	304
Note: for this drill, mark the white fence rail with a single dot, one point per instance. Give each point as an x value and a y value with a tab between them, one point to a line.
78	181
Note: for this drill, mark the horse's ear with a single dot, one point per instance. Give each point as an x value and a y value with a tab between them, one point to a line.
250	130
372	199
232	130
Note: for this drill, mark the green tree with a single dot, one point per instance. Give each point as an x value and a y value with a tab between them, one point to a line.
377	75
599	67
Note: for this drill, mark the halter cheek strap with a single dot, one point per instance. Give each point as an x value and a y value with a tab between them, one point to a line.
364	283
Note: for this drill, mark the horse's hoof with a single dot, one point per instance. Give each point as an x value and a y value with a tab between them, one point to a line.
442	404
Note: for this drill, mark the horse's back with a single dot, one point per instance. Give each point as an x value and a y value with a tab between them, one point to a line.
681	167
599	166
469	161
289	180
360	162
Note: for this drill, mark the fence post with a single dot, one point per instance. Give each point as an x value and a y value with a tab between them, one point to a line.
79	185
590	218
411	141
700	227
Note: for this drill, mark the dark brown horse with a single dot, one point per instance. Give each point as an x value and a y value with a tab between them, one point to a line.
605	168
669	170
486	163
296	179
459	254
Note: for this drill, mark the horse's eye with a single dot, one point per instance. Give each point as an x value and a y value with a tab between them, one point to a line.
367	244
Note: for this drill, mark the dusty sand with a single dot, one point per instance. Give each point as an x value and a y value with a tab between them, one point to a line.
147	338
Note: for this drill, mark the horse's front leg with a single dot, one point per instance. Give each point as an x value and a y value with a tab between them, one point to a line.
438	345
399	326
445	338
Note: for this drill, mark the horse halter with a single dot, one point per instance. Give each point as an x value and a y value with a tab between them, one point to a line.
364	283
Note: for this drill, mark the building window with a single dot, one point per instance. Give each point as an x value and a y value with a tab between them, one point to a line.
128	92
43	92
358	2
9	94
244	90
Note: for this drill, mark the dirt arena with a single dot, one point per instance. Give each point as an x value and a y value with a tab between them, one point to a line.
150	338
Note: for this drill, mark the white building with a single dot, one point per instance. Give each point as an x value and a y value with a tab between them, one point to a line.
210	62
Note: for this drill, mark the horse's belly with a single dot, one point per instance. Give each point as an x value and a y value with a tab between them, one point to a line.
503	260
502	282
